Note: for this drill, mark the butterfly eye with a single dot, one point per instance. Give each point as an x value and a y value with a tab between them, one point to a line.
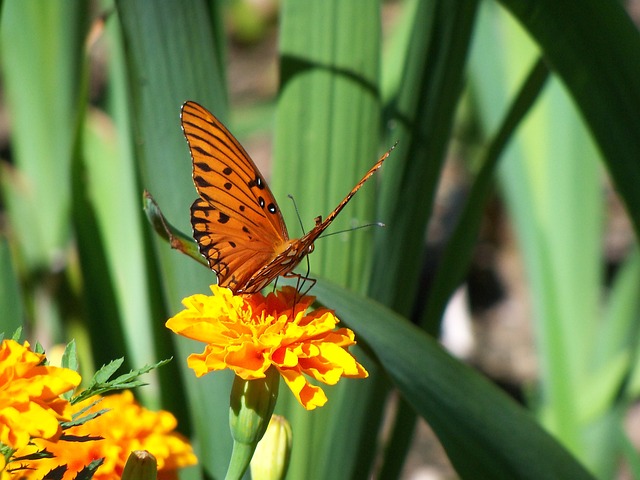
310	248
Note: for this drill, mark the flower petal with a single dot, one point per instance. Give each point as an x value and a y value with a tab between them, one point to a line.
308	395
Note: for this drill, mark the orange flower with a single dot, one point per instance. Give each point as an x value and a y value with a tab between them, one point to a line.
125	427
30	402
249	334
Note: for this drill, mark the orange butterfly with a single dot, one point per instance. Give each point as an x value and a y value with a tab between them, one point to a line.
236	221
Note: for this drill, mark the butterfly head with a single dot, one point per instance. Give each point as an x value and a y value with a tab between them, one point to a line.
298	248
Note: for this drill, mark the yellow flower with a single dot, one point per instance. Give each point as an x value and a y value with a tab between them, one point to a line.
30	402
127	426
250	334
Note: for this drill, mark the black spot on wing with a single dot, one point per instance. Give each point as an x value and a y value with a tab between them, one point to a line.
201	151
201	182
205	167
223	218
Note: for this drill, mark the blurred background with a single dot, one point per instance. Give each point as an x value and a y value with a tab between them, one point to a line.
511	203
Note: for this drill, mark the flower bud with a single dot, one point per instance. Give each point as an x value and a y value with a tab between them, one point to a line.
271	458
252	403
141	465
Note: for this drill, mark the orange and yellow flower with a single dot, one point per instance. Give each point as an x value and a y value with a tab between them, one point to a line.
126	427
30	401
252	333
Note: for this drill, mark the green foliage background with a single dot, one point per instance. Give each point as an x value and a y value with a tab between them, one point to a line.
552	87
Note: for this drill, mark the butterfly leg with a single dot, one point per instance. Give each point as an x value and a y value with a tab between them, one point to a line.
312	282
300	281
306	275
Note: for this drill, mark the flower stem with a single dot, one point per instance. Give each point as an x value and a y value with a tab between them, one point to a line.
240	459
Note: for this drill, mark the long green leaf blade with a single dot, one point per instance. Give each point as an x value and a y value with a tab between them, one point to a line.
485	434
42	80
602	72
173	56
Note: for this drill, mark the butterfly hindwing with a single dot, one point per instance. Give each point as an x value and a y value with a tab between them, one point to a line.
230	247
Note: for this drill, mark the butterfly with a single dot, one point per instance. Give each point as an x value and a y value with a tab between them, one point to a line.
236	221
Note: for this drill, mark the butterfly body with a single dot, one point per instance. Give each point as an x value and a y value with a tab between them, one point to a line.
236	221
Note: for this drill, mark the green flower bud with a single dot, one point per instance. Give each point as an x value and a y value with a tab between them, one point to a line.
141	465
271	458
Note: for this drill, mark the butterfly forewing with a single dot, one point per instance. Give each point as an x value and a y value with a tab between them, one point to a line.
310	237
236	222
296	250
226	177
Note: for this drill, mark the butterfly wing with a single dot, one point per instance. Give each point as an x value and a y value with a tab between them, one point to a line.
236	221
296	249
322	225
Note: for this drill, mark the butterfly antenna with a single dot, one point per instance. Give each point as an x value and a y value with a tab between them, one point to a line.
295	205
376	224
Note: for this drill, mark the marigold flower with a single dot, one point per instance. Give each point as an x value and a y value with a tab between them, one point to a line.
126	427
249	334
30	401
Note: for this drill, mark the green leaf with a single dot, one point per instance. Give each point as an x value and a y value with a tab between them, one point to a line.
327	125
327	136
42	82
551	182
10	291
70	356
423	109
485	433
457	254
87	472
172	55
79	418
106	371
602	72
100	383
17	335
